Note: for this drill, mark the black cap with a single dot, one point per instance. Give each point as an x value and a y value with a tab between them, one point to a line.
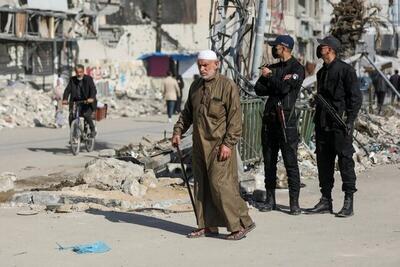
331	41
284	40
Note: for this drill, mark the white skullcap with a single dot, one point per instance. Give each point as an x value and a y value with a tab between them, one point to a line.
207	55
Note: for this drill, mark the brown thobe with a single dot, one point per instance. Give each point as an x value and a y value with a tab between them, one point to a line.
213	108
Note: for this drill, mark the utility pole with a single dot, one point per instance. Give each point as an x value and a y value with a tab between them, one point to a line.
158	25
259	38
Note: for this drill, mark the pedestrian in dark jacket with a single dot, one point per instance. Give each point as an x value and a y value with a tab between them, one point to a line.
281	82
81	87
337	83
380	87
395	80
181	83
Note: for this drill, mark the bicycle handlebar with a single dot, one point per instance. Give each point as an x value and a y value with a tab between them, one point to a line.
76	102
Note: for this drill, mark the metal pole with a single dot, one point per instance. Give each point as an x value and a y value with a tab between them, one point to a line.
259	38
365	55
158	25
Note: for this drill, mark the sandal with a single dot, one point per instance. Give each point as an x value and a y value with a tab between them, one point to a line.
202	232
250	228
241	233
236	235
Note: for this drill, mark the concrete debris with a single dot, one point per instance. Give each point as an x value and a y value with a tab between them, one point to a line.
133	187
113	174
157	155
149	179
126	94
21	105
69	200
7	180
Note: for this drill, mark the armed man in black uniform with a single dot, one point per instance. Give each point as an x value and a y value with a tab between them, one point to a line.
337	83
281	82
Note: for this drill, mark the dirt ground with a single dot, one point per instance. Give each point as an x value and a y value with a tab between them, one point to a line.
370	238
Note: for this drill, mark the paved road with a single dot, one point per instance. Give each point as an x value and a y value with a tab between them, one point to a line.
370	238
40	151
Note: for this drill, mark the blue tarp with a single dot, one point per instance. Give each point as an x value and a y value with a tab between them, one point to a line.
97	247
174	56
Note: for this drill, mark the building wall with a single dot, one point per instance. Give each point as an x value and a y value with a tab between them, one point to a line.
142	39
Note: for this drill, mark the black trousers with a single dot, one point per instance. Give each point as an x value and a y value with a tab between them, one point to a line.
86	113
330	144
381	97
178	104
272	142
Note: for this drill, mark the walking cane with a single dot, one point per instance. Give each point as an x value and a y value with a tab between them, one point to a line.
186	180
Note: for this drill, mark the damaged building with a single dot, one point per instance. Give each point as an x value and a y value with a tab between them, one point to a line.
38	38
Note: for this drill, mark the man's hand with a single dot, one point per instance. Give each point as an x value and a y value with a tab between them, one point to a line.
350	128
90	100
265	71
224	153
176	140
287	77
65	102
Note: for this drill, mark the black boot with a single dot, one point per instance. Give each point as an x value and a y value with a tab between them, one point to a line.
324	206
347	209
294	204
269	203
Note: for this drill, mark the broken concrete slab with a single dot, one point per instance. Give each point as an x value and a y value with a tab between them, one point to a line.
110	173
149	179
133	187
7	180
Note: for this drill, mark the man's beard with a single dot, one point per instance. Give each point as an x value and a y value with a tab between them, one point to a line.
208	76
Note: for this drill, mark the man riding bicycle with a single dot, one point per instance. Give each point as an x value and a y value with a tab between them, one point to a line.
81	88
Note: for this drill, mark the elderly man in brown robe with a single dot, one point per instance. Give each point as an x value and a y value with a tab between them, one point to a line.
213	108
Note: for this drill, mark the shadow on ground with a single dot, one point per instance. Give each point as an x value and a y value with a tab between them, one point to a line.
66	150
139	219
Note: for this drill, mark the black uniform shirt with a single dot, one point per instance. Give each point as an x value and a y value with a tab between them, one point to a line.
337	82
279	89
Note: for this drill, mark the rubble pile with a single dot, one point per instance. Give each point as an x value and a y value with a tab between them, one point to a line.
127	90
113	174
108	183
378	139
21	105
125	106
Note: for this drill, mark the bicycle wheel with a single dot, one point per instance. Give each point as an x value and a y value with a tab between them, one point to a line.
89	144
75	137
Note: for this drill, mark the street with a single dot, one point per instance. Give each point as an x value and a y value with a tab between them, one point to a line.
30	152
370	238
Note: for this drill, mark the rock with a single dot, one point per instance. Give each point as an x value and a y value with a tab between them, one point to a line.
7	180
149	179
133	187
39	198
110	173
107	153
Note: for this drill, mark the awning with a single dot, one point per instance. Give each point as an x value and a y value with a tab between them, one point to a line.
174	56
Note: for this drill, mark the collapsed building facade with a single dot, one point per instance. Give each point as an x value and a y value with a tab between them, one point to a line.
38	38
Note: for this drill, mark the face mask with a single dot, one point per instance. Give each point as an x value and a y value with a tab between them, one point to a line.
319	53
274	52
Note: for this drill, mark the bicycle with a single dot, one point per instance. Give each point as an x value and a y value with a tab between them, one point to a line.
79	132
